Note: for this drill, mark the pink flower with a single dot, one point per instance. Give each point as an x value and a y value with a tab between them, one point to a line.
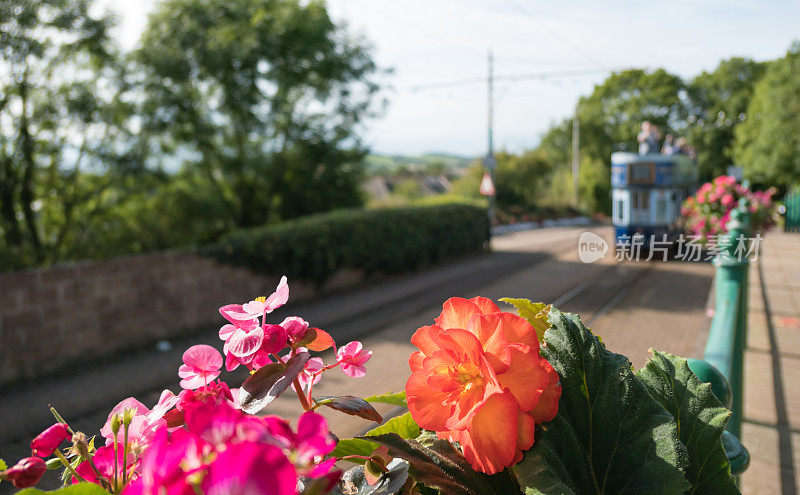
263	305
241	344
352	358
727	200
103	459
308	445
201	365
48	441
250	468
163	463
275	339
144	422
295	326
26	473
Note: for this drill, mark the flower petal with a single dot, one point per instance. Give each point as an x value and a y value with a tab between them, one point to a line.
524	378
547	408
490	443
456	312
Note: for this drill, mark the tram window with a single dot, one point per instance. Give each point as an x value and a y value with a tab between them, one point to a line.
661	209
620	210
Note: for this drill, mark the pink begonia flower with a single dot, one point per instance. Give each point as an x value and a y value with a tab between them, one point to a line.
167	462
103	459
352	358
275	339
241	345
295	326
313	365
201	364
216	392
48	441
217	424
307	446
26	473
145	422
250	468
263	305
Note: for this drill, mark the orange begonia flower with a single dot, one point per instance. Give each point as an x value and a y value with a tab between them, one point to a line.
478	380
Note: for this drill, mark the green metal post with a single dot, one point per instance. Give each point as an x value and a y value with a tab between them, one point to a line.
727	339
723	363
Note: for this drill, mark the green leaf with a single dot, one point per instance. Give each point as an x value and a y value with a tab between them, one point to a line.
3	465
394	398
434	469
77	489
352	405
403	425
535	313
701	419
610	435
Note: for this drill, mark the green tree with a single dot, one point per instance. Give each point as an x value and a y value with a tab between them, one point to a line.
611	117
717	104
263	99
767	144
520	179
60	114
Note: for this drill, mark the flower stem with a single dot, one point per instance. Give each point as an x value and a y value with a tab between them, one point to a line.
299	390
68	465
125	457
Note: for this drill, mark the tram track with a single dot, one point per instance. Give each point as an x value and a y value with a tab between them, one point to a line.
602	291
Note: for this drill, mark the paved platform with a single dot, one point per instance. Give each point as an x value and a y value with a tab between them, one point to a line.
771	426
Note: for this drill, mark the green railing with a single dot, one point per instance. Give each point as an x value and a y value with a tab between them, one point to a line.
722	365
792	216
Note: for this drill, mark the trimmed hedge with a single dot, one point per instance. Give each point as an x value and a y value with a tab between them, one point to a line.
385	240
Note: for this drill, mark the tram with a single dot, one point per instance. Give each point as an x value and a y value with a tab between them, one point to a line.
647	192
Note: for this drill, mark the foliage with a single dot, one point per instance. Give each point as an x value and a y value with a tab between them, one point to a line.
707	213
768	142
610	435
388	240
520	180
77	489
700	417
717	104
263	99
61	113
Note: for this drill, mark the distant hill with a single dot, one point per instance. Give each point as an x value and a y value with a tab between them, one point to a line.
436	163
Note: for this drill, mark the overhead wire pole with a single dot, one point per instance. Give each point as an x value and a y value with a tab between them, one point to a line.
490	161
576	163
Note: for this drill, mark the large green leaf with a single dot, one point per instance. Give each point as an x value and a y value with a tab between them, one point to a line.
77	489
403	425
610	435
394	398
701	419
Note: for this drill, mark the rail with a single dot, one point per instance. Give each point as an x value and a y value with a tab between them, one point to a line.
722	365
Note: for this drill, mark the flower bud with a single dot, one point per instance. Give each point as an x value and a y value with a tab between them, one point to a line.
116	422
26	473
127	416
49	440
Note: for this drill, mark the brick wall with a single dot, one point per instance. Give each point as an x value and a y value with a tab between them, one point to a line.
53	316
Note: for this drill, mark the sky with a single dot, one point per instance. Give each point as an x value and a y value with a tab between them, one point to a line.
428	42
